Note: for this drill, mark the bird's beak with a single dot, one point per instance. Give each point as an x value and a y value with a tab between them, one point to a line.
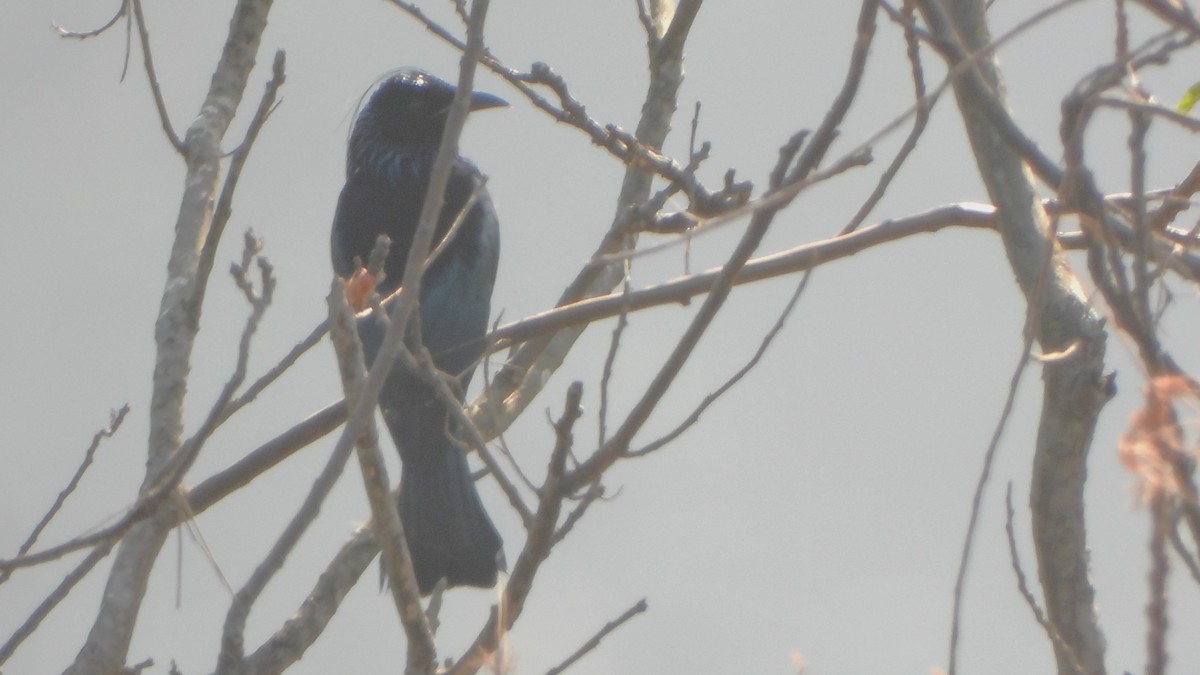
482	101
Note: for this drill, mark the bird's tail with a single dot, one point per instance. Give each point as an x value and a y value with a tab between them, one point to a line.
449	533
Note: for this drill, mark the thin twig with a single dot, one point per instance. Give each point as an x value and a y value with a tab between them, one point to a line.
116	417
1188	558
985	472
433	608
629	149
148	60
175	467
773	200
711	398
320	423
637	608
171	472
821	140
122	11
1176	202
594	493
232	641
1143	279
459	218
1189	123
924	104
591	469
460	8
1177	15
306	624
54	598
610	359
266	379
647	23
442	386
537	544
224	206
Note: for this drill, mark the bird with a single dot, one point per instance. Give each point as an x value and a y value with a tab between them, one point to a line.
390	155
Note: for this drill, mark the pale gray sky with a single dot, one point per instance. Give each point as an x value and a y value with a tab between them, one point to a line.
819	508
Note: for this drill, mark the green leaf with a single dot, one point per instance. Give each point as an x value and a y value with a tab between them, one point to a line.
1189	99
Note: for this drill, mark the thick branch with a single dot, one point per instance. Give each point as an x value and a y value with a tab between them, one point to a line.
108	643
422	653
1075	388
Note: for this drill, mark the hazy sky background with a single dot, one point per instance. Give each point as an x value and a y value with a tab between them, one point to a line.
818	508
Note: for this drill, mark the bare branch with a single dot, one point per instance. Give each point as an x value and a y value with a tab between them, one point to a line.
154	495
107	644
122	11
924	104
1189	123
289	643
389	531
822	139
54	598
116	417
720	391
148	60
1023	587
537	544
256	462
225	202
441	384
231	658
325	420
594	493
610	359
1176	202
1188	558
798	259
1175	14
637	608
176	466
251	393
513	388
604	457
1105	225
1075	389
1156	606
989	457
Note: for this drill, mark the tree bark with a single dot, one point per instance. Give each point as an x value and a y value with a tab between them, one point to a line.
1075	388
107	645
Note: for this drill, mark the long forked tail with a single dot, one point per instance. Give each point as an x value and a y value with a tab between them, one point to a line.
449	533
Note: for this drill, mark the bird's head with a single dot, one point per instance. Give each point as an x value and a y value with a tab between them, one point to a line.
410	107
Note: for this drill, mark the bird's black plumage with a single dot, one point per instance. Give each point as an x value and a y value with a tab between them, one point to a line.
389	160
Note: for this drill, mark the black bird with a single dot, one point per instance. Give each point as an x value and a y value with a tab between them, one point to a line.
389	160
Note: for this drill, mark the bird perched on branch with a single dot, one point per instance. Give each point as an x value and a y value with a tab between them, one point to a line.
391	153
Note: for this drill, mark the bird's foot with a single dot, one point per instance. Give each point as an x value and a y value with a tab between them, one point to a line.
359	288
